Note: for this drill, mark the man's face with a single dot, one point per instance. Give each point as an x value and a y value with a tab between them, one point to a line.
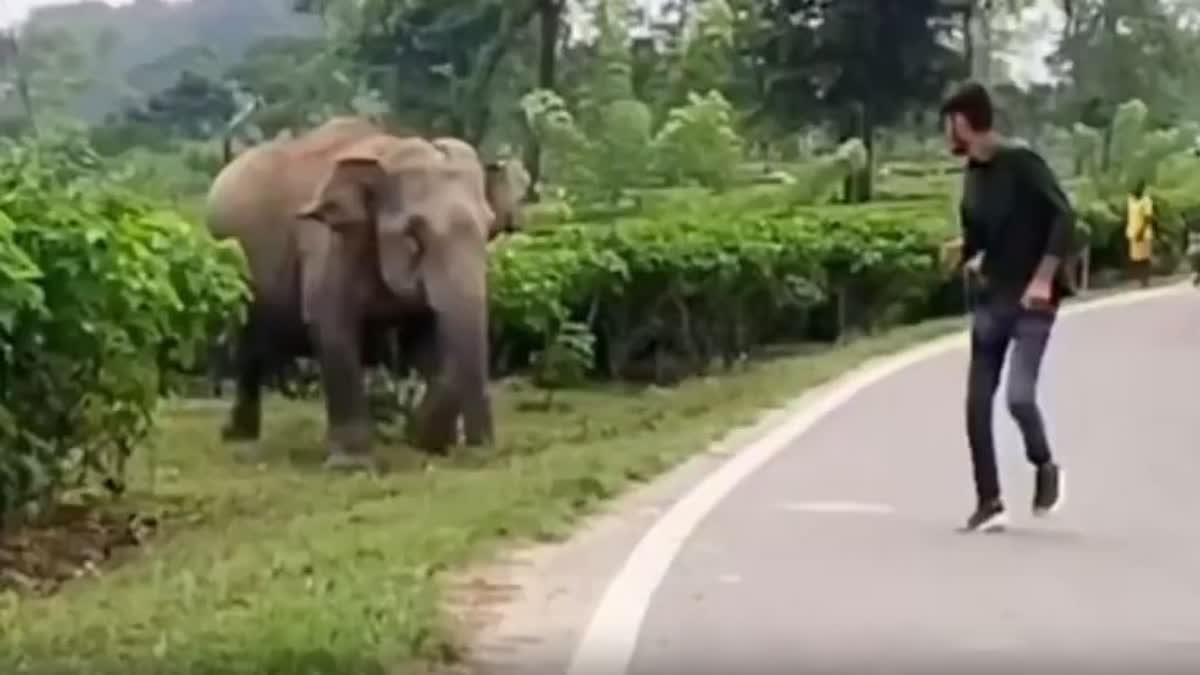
957	134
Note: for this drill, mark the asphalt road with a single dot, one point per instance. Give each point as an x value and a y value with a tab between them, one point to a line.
841	555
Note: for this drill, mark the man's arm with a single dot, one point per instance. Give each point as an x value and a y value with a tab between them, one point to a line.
970	236
1060	239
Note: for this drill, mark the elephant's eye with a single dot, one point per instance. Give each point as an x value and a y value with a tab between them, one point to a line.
417	226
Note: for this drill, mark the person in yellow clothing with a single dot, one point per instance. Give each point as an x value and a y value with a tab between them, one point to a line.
1139	230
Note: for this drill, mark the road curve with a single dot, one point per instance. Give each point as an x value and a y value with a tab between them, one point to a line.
840	553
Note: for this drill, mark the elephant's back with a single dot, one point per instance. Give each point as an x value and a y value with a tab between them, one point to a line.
255	198
265	186
243	194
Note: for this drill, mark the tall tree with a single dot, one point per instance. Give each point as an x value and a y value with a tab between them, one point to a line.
1116	50
299	82
435	62
45	69
550	31
986	25
859	63
195	107
17	84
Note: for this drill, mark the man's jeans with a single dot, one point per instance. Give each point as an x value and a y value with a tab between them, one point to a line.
996	325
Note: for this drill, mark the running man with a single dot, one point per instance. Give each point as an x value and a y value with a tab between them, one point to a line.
1018	227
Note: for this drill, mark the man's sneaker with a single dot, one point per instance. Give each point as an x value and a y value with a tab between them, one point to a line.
988	517
1047	489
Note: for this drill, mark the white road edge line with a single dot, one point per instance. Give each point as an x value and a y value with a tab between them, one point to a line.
607	645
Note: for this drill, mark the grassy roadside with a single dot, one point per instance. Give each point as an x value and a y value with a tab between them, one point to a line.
280	568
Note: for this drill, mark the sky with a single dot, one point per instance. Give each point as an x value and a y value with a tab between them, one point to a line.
1027	66
12	11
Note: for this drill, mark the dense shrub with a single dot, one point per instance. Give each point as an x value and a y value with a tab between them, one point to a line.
698	144
1114	160
710	284
101	295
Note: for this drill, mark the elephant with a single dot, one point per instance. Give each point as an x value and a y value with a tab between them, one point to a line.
352	233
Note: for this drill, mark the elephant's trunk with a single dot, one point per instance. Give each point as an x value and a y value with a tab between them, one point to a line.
457	292
467	339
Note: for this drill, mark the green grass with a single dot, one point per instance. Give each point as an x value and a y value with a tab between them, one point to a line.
280	568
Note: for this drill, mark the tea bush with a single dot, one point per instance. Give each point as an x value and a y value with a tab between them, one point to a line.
711	283
102	295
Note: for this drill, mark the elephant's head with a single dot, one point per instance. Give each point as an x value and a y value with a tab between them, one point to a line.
417	211
505	183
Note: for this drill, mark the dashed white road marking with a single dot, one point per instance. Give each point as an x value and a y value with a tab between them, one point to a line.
608	644
839	507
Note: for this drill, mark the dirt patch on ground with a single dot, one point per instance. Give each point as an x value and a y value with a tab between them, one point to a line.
70	542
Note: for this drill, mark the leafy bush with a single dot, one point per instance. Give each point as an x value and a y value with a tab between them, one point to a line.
1115	161
698	143
712	283
818	179
101	295
566	360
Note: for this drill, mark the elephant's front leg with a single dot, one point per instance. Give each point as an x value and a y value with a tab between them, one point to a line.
348	416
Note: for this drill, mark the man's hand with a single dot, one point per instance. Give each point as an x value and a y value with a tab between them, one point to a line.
974	266
1037	295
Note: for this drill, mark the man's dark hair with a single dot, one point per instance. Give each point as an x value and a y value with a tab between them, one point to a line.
972	101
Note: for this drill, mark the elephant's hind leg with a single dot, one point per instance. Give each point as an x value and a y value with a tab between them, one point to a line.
245	418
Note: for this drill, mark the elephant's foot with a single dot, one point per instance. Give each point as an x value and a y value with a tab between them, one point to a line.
249	453
350	448
477	425
232	433
433	426
430	438
350	462
244	425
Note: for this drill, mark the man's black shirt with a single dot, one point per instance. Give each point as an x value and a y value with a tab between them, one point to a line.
1014	210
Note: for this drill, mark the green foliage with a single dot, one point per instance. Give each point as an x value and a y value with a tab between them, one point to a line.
194	107
103	295
599	163
709	282
611	72
1117	50
570	158
133	50
301	82
1117	159
621	146
830	58
614	150
566	360
44	71
705	59
821	177
439	65
698	142
606	144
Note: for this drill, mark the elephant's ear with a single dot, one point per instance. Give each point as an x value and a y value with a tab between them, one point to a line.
344	198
